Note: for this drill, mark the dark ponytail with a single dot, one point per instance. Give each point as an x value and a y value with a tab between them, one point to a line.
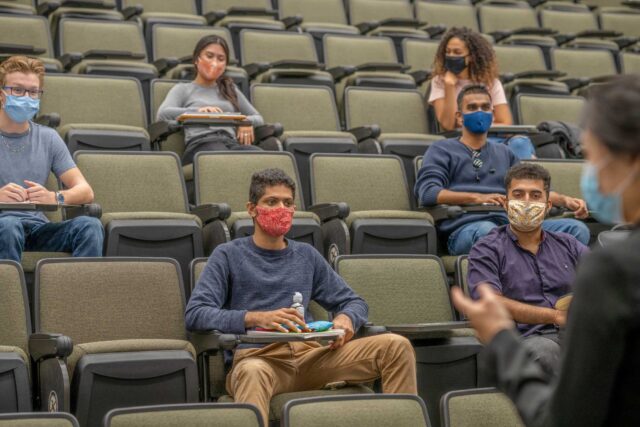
225	84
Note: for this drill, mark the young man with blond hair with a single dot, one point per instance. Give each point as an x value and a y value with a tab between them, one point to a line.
28	154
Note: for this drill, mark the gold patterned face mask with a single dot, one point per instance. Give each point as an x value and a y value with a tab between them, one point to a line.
526	216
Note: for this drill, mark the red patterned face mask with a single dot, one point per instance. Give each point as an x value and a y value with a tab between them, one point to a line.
274	221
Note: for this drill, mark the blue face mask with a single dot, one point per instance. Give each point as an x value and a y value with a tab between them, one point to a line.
21	108
606	208
477	122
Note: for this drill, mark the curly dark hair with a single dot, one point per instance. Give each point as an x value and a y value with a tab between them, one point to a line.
483	67
226	87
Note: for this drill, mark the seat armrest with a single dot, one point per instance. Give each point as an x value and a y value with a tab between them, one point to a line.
256	68
442	212
251	11
420	76
365	27
90	209
339	73
363	133
165	64
513	129
212	341
383	66
500	35
51	120
534	31
45	9
401	22
369	330
132	11
68	60
46	346
626	41
210	212
574	83
540	74
599	33
329	211
435	30
159	131
292	21
21	49
214	16
268	131
427	330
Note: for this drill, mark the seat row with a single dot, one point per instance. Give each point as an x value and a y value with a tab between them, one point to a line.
109	333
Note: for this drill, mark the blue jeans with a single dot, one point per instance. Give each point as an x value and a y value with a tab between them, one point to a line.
82	236
463	238
520	145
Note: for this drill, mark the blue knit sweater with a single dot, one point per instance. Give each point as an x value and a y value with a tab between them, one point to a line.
240	277
447	164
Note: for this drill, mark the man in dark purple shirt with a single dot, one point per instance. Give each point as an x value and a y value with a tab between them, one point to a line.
528	267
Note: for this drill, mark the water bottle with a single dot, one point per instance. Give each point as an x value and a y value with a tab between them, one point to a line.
297	304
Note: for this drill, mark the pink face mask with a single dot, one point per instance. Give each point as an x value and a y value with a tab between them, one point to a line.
274	221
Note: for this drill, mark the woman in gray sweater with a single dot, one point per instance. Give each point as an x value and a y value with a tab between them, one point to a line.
210	92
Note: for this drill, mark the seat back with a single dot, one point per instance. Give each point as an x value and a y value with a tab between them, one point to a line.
516	59
15	321
373	182
449	14
584	62
477	407
625	20
630	63
462	268
297	107
84	35
187	7
178	41
566	22
534	109
399	410
511	16
378	10
419	54
357	50
113	298
325	11
395	111
225	177
565	175
28	31
272	46
38	419
401	289
113	100
193	415
225	5
159	90
135	182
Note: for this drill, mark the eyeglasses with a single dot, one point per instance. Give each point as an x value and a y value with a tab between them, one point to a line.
20	91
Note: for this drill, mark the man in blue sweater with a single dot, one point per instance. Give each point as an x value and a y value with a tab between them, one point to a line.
469	170
249	283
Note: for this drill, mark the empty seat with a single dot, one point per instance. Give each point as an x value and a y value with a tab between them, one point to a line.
584	67
482	407
28	35
364	61
225	177
253	14
38	419
419	56
15	327
565	175
144	205
513	22
153	12
625	20
192	415
127	329
447	14
376	191
93	9
396	410
384	18
410	296
316	17
172	52
402	119
282	57
533	109
115	120
310	120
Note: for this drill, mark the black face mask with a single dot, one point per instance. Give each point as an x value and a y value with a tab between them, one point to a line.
455	64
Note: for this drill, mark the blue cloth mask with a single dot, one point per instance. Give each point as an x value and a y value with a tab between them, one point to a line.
455	64
21	108
477	122
606	208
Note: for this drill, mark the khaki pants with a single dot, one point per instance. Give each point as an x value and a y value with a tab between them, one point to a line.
260	373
